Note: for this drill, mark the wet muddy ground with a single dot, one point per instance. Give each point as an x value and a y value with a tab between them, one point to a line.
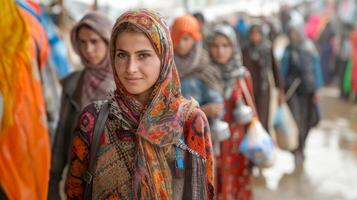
330	168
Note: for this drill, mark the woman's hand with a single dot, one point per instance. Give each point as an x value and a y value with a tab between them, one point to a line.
213	109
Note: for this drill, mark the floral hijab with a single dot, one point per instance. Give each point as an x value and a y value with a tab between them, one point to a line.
160	123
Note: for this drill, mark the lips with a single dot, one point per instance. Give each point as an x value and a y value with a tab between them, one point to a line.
133	79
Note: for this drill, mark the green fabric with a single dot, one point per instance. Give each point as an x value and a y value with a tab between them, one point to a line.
347	80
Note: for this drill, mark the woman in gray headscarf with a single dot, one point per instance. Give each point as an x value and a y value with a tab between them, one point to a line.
233	180
90	39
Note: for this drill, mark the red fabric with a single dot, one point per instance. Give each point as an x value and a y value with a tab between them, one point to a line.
354	61
233	172
354	78
313	27
35	6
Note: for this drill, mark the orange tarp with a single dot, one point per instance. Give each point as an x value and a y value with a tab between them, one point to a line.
24	142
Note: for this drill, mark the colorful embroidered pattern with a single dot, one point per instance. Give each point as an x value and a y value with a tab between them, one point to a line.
136	166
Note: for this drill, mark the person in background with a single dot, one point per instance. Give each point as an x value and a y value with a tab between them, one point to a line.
90	40
204	27
285	17
353	70
343	58
233	168
259	59
242	28
198	78
156	144
327	49
302	77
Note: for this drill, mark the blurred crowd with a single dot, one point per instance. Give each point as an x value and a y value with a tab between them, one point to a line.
239	68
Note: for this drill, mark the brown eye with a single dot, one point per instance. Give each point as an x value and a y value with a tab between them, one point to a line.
144	55
94	41
121	55
213	46
226	46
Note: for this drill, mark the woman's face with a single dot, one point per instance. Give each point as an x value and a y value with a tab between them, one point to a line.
185	45
221	49
91	46
256	36
295	36
136	64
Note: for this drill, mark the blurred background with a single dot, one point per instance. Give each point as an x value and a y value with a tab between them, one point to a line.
329	171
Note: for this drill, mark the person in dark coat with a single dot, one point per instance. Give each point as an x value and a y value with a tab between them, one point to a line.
302	75
90	40
259	59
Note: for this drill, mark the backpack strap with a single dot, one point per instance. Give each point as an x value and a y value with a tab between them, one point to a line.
97	134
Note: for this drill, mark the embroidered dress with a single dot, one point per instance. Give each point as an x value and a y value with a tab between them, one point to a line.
160	151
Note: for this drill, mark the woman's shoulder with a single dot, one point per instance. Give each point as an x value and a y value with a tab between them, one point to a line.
72	77
70	82
243	77
197	133
194	116
242	72
190	107
247	73
88	118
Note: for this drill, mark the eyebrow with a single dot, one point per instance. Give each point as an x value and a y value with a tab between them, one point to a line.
88	38
137	52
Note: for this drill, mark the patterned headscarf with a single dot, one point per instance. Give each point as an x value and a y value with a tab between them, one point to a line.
160	124
231	70
98	79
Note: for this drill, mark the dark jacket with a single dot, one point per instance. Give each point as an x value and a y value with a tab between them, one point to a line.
261	63
70	110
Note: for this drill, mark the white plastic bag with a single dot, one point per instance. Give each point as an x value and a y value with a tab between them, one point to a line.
257	145
287	132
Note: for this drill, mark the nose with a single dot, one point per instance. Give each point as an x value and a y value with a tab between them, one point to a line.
220	50
132	66
89	48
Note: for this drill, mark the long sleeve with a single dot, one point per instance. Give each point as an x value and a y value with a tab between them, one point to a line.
211	95
198	138
317	71
69	114
75	185
59	154
284	64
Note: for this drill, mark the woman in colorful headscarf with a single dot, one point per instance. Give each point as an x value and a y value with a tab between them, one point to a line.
155	144
90	40
258	57
233	179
